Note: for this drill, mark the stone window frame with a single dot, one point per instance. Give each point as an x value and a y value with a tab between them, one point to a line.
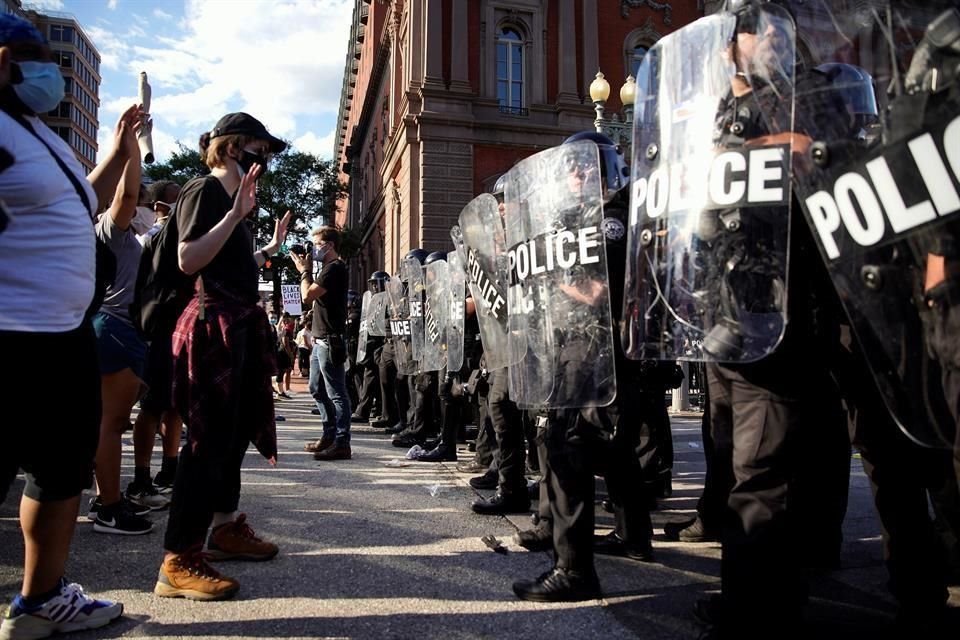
527	17
645	36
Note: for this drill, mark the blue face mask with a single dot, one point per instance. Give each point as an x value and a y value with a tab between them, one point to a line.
42	88
320	254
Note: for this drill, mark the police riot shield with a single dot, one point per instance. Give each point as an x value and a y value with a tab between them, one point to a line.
436	308
455	315
710	197
881	194
365	311
561	318
377	318
399	317
412	273
484	254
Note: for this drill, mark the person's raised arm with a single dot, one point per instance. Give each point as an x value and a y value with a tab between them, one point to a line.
279	235
124	205
197	253
106	175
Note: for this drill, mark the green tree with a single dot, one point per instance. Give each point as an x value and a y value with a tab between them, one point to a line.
302	183
184	164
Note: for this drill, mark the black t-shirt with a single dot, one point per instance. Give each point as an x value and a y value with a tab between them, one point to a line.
330	309
201	205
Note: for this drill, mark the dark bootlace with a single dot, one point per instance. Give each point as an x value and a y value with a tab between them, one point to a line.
195	563
241	529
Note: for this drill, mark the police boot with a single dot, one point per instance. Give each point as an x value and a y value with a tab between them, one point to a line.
613	545
502	503
442	453
559	585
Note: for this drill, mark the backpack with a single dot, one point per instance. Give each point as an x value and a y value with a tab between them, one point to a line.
162	291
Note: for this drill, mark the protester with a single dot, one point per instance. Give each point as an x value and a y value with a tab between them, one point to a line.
50	209
286	349
122	354
328	383
156	406
223	362
304	347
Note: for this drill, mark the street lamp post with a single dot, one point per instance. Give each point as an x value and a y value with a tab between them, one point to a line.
617	129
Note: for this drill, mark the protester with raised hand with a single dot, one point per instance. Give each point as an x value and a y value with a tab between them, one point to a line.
224	358
50	230
122	353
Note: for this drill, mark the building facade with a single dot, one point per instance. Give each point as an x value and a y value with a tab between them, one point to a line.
76	118
441	97
11	6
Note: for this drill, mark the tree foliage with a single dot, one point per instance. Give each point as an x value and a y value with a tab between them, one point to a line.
183	165
300	182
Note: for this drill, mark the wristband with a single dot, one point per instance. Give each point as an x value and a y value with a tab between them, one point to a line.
266	254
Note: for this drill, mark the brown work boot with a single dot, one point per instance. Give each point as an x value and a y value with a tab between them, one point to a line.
318	445
237	541
187	575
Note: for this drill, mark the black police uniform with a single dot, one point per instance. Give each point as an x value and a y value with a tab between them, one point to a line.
354	373
760	410
580	443
394	391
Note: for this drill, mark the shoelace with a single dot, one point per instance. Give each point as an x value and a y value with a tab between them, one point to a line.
243	530
195	562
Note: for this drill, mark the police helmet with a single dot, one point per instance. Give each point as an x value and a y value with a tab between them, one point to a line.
613	168
419	254
749	13
499	187
433	257
353	299
378	281
855	86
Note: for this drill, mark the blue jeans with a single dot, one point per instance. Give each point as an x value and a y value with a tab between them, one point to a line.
328	386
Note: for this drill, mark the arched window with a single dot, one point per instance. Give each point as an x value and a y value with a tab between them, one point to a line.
510	70
639	52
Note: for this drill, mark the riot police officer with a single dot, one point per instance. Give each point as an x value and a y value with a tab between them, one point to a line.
508	425
583	442
427	404
370	401
352	335
405	379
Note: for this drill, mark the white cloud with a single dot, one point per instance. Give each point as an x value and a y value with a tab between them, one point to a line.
160	13
111	4
280	62
310	143
44	5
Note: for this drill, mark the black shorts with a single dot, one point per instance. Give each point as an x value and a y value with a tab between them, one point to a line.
158	376
51	431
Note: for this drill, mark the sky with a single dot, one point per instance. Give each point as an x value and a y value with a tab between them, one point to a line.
282	61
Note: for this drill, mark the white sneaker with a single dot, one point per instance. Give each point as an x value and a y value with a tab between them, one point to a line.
70	610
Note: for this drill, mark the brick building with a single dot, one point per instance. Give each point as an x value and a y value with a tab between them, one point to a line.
440	97
76	117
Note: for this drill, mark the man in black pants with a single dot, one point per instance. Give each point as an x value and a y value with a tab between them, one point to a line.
580	443
511	496
370	394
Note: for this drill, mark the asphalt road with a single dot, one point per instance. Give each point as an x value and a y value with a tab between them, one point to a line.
371	550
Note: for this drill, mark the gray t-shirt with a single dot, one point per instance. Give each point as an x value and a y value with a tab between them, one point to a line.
125	247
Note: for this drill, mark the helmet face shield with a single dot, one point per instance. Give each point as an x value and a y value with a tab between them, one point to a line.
614	172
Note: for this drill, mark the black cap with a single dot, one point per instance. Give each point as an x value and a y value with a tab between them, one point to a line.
243	124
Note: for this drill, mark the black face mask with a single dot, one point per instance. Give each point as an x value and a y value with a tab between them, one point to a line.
247	159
